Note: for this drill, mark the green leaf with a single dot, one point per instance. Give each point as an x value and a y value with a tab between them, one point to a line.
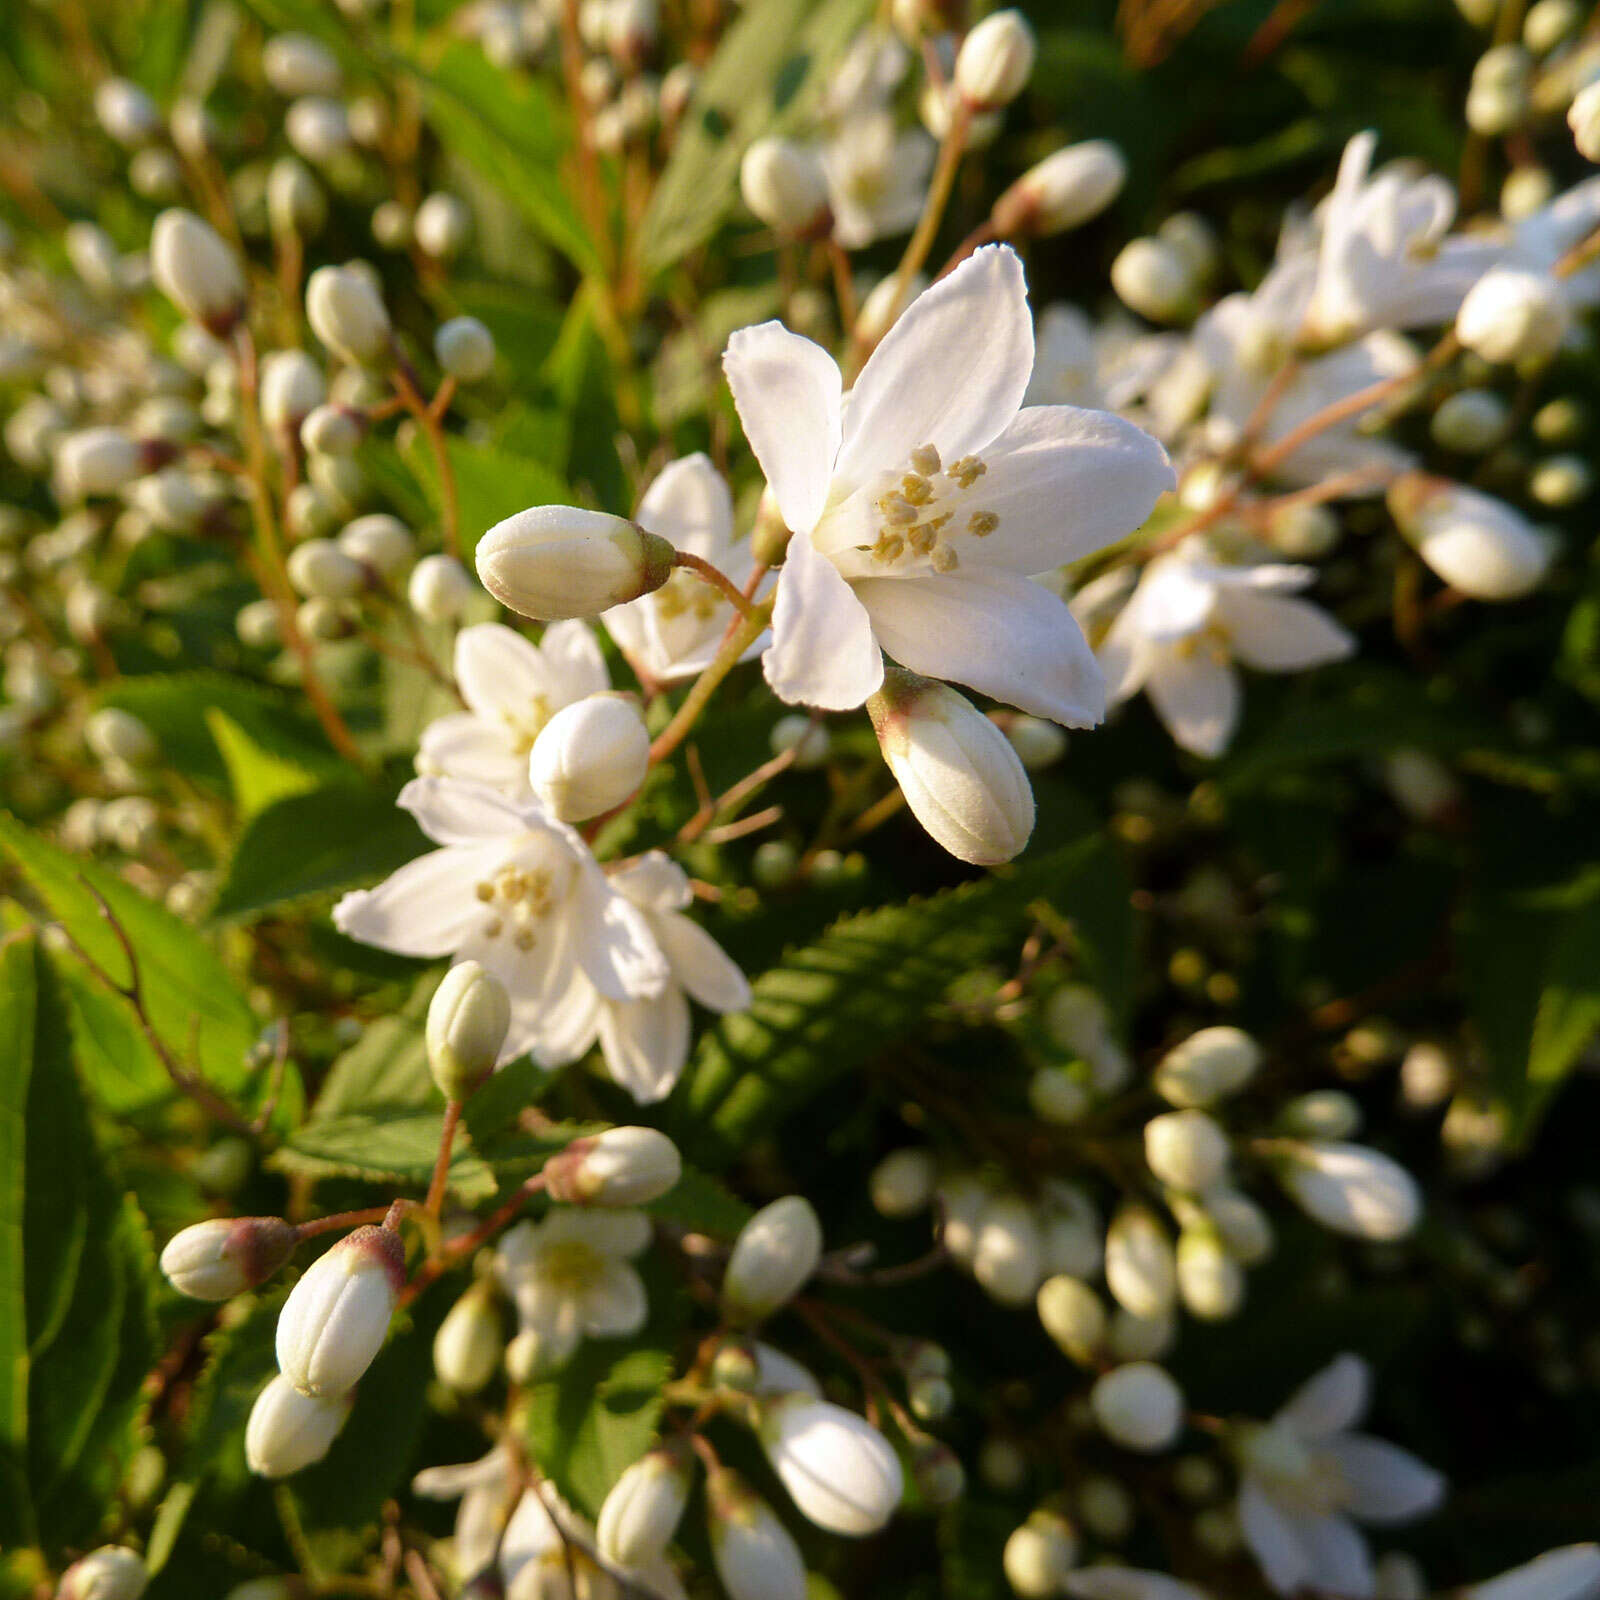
314	843
768	72
383	1147
258	775
18	1004
831	1007
387	1067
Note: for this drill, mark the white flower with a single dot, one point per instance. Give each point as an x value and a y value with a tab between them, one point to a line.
1191	619
920	506
674	631
839	1470
484	1490
755	1557
877	178
549	1550
1571	1573
1307	1480
569	1277
512	689
522	895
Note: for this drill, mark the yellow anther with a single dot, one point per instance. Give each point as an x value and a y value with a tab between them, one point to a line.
917	490
967	470
922	538
982	523
897	511
925	459
485	891
943	558
494	928
890	547
524	939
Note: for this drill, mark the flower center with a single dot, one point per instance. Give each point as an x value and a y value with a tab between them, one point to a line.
1213	640
918	514
1295	1475
571	1265
524	728
518	899
685	594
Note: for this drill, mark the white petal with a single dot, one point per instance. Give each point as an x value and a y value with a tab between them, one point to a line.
653	882
1570	1573
1196	698
1272	1541
950	373
1275	633
565	1022
465	746
701	965
427	908
688	504
1125	655
1175	598
1065	482
452	812
614	1303
1340	1560
1335	1399
646	1043
613	942
822	652
574	666
500	674
787	391
997	633
1386	1484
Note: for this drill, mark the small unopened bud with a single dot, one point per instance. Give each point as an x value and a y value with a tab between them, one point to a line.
297	206
809	740
590	757
776	1251
296	64
1185	1150
156	175
552	562
1039	744
197	271
318	127
620	1167
1138	1406
218	1259
1005	1252
1207	1067
1511	314
1210	1280
110	1573
332	430
1470	422
1476	543
1321	1114
640	1516
1140	1271
995	61
336	1317
784	185
1583	117
1349	1188
126	112
1560	481
1074	1316
379	541
97	461
902	1183
1243	1226
1039	1555
291	388
468	1019
468	1346
464	349
839	1470
440	589
442	226
347	314
113	734
961	778
289	1430
320	570
1154	278
1064	191
755	1557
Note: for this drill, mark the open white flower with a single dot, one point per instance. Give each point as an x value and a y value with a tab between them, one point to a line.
512	688
1191	619
484	1490
1307	1480
921	504
1108	365
520	894
877	178
674	631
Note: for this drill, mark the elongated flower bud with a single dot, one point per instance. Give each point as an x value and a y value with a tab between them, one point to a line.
468	1019
961	778
1477	544
1210	1279
379	541
1348	1187
1513	315
1074	1316
552	562
784	185
109	1573
1005	1250
995	61
1153	277
442	225
1207	1067
590	757
440	588
320	570
198	273
218	1259
1138	1405
755	1557
1140	1270
289	1430
97	461
620	1167
1583	117
640	1516
337	1315
113	734
347	314
1039	1555
333	430
839	1470
776	1251
1186	1150
1065	190
291	388
296	64
902	1183
468	1346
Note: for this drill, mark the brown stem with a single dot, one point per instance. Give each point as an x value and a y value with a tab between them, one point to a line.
726	659
717	578
441	1165
433	426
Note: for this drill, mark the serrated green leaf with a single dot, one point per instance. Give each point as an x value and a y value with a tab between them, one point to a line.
119	1069
258	776
387	1067
383	1147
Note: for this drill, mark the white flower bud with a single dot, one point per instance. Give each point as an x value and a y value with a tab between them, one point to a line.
961	1198
379	541
755	1557
1525	191
902	1183
347	314
291	388
197	271
1074	1316
590	757
440	589
1140	1270
1511	314
1321	1114
442	226
468	1019
1138	1406
961	778
320	570
126	112
1470	421
1186	1150
784	185
95	258
464	349
1207	1067
97	461
32	430
391	225
218	1259
192	127
1427	1076
156	175
1560	481
839	1470
1476	543
1349	1188
113	734
1303	531
171	499
1583	117
1065	190
809	740
336	1317
1548	23
1059	1095
995	61
552	562
1154	278
641	1514
468	1346
1039	744
289	1430
333	430
296	64
1210	1279
1005	1253
318	128
776	1251
1570	1573
620	1167
1039	1555
1243	1226
109	1573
